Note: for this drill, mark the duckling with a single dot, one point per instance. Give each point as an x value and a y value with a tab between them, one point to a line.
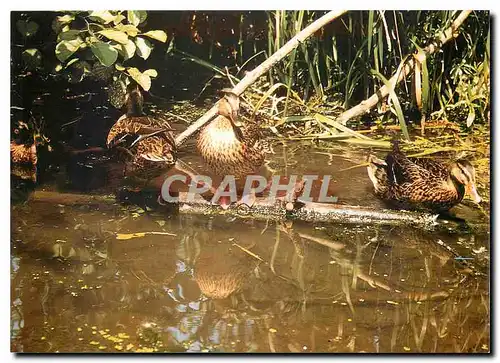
421	184
149	141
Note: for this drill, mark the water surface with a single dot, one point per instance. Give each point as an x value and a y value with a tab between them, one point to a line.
81	283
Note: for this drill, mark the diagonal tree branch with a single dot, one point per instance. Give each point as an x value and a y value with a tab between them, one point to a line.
253	75
383	92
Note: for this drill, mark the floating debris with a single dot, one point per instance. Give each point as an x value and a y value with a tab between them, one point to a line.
480	250
125	236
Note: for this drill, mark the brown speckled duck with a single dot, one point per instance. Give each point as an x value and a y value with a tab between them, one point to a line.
148	140
423	184
23	154
24	161
231	147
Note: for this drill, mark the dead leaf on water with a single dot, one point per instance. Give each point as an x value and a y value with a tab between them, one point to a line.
125	236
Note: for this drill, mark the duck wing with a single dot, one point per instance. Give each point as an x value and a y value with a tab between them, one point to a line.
437	168
253	136
401	169
128	131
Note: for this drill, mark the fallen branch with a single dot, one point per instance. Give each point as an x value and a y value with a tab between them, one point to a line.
263	68
264	210
308	212
383	92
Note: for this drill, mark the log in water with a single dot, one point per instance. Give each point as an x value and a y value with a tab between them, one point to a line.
307	212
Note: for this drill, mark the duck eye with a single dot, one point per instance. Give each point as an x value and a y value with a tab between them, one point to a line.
465	173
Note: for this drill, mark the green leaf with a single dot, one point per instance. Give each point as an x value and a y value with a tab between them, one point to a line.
395	101
130	29
60	21
159	35
69	35
136	17
118	19
119	67
66	48
151	73
128	50
104	17
104	52
144	47
32	58
370	31
27	28
115	35
65	19
142	79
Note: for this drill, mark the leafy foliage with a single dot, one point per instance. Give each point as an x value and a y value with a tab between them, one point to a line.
113	38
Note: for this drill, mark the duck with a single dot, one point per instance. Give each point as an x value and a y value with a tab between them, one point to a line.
24	161
420	183
23	154
147	140
229	146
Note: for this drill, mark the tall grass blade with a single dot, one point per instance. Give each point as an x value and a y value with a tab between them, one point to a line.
370	31
397	105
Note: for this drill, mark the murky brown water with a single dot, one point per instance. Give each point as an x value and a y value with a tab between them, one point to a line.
226	285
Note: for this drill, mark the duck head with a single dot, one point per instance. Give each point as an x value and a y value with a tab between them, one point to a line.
464	173
229	106
134	100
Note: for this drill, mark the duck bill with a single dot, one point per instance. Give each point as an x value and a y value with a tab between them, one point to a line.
234	119
472	192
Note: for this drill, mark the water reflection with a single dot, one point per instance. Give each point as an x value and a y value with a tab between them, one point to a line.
240	286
